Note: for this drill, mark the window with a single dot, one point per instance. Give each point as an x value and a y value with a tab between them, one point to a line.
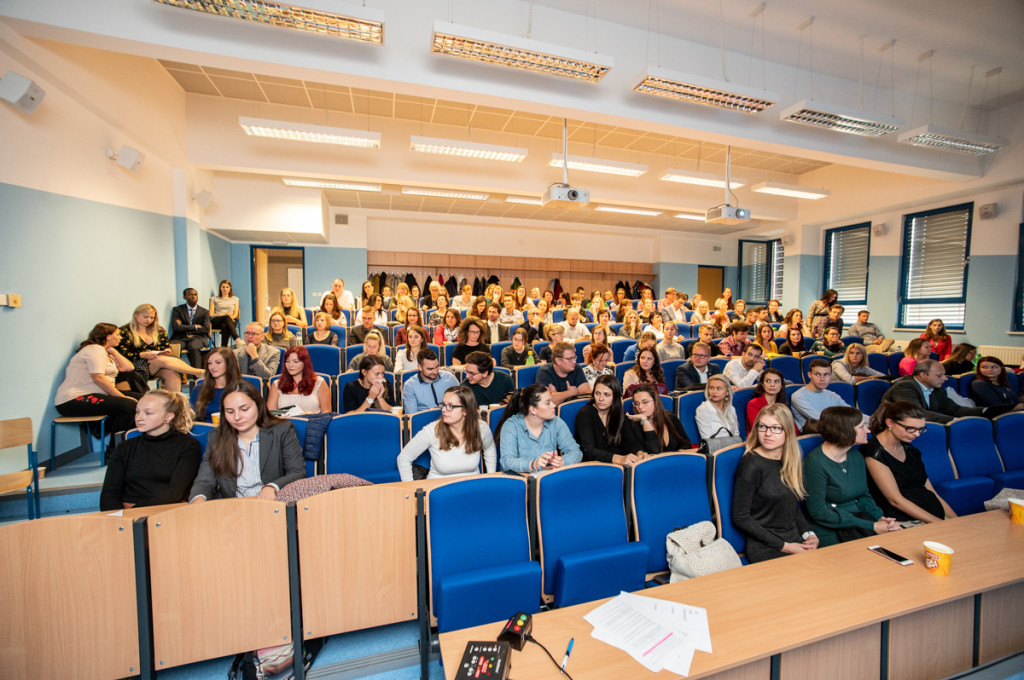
1018	298
760	276
933	273
846	266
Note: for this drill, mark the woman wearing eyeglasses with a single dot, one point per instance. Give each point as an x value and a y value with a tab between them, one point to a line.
768	488
455	442
896	475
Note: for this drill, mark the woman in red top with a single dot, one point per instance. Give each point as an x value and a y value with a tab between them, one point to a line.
770	389
938	339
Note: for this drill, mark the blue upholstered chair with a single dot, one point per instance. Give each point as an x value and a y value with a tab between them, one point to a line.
973	449
723	475
869	394
365	445
964	494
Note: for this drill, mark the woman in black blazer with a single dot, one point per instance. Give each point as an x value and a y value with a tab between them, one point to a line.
602	430
272	455
656	428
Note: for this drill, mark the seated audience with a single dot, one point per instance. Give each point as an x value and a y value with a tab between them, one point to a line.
770	389
828	344
838	502
655	326
413	317
554	334
251	453
737	341
563	377
320	332
489	386
518	352
224	312
465	300
510	315
739	313
938	340
425	389
915	351
853	367
531	437
332	308
962	360
89	389
144	343
221	370
290	309
814	397
598	336
471	339
601	428
990	386
158	466
574	328
706	334
765	339
794	319
299	388
631	326
405	356
833	320
371	390
646	371
479	308
344	297
703	314
924	389
768	488
357	334
793	346
669	349
375	305
494	331
870	334
744	370
534	325
896	475
652	426
774	315
647	341
437	316
255	356
367	295
456	442
819	310
674	310
374	344
544	307
694	374
190	327
598	363
716	416
448	332
278	334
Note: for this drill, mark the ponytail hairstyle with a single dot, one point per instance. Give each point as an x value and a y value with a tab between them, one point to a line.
98	334
520	403
176	403
895	411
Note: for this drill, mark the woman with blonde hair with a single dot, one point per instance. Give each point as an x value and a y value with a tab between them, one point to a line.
768	487
278	334
716	416
373	344
144	343
290	309
853	367
320	332
631	326
158	466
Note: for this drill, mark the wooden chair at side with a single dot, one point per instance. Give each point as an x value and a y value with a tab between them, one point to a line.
18	432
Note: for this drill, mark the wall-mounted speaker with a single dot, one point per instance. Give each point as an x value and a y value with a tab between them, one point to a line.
879	229
203	198
988	211
127	157
20	92
339	218
788	239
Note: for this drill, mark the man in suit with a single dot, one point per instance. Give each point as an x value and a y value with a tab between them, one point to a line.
256	357
496	332
695	373
673	311
190	326
924	388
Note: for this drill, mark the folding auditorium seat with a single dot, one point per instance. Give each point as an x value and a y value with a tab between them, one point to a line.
365	445
973	448
1010	440
964	494
723	475
584	545
869	395
789	367
686	410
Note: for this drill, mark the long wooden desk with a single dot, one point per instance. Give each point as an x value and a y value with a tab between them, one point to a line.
837	612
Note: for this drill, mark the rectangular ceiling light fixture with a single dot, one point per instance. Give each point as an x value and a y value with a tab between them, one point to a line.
628	211
598	165
323	184
702	179
451	147
499	49
300	132
289	16
790	190
696	217
523	200
960	142
443	193
839	119
704	91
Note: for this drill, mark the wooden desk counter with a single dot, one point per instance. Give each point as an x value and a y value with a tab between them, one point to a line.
791	603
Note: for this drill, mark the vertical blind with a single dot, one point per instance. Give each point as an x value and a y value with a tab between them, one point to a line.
846	262
761	264
935	258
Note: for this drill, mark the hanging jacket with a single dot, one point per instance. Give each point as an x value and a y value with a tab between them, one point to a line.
452	286
516	283
493	279
478	287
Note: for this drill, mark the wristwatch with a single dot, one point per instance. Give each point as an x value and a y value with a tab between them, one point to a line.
369	401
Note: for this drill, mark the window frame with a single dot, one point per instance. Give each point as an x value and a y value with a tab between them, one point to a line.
852	305
772	247
1018	297
905	273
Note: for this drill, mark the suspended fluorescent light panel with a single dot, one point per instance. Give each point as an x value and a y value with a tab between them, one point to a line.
647	212
598	165
839	119
701	179
300	132
499	49
523	200
790	190
324	184
444	193
704	91
289	16
959	142
450	147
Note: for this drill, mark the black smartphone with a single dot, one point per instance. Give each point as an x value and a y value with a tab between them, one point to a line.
895	557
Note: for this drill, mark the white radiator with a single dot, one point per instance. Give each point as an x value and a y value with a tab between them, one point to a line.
1008	355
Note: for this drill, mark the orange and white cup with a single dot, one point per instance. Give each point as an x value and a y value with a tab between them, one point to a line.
1017	510
215	418
937	557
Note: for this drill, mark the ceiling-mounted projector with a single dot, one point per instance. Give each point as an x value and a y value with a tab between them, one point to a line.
726	214
565	196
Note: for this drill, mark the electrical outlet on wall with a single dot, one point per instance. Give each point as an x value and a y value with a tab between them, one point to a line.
14	300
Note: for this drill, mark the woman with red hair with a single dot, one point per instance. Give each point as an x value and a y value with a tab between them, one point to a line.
299	387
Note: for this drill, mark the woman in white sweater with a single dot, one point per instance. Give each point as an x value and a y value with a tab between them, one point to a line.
455	442
717	411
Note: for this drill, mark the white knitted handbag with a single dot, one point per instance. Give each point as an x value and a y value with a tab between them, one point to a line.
694	551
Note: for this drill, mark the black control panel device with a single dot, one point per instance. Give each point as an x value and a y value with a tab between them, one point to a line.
484	660
516	630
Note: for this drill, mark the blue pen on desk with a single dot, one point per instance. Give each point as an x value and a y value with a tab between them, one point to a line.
568	651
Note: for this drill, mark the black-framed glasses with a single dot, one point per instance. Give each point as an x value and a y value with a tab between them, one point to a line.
913	430
774	429
450	407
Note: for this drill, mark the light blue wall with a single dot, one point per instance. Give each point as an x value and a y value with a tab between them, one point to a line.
323	264
241	279
801	281
75	263
681	276
214	264
729	280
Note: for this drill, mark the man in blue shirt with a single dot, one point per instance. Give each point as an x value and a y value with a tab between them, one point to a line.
426	389
563	378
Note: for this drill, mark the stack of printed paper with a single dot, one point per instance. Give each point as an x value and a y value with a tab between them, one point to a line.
656	633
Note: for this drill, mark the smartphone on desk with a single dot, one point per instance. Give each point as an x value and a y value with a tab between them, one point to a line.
888	554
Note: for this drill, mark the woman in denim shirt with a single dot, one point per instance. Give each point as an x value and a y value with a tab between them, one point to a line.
531	437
